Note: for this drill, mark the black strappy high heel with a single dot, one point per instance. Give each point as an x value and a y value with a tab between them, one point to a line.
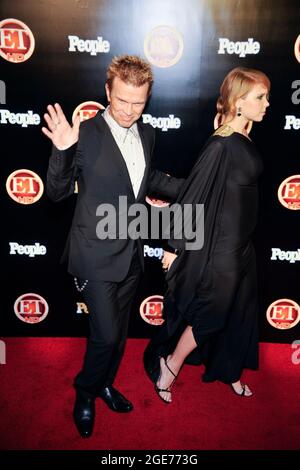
168	390
243	392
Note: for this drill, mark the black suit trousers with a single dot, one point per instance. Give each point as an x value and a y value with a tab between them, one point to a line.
109	305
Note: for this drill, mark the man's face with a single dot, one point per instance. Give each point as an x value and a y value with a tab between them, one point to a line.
127	102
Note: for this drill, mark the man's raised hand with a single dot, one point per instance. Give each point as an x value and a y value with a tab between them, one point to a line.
59	130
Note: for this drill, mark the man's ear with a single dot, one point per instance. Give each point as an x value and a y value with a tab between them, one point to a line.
107	90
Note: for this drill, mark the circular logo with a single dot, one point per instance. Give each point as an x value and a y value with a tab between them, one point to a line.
24	186
16	41
156	202
297	48
31	308
87	110
283	314
218	122
151	310
289	192
163	46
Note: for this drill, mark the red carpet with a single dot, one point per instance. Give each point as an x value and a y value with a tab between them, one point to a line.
37	400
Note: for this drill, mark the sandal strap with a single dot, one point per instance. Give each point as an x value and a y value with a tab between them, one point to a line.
163	390
170	370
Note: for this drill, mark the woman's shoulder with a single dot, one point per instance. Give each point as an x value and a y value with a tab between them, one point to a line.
223	131
225	137
219	139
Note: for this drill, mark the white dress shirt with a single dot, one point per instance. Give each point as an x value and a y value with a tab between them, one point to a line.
130	145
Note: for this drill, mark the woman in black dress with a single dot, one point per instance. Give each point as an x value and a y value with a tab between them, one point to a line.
210	306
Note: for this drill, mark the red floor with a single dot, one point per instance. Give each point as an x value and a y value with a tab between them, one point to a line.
37	399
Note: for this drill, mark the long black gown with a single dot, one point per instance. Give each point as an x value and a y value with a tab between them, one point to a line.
214	289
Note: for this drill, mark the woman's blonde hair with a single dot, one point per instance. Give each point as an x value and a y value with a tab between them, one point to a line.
237	83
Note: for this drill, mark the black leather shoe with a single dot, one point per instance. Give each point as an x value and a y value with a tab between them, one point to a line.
115	400
84	414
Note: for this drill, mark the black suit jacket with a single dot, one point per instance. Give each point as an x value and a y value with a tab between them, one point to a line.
98	166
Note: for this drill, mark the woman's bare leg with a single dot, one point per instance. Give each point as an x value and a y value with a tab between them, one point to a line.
185	346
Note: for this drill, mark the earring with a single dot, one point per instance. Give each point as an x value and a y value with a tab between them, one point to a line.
239	111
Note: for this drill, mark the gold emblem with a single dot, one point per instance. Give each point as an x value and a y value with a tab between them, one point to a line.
219	118
224	131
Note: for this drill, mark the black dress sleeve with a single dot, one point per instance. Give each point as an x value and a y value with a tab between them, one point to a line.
205	185
163	185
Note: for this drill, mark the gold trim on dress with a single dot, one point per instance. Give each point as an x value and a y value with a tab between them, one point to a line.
224	131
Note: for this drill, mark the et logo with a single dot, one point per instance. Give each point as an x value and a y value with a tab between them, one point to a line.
24	186
151	310
283	314
16	41
87	110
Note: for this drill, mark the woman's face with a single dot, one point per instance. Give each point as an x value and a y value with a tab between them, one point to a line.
254	104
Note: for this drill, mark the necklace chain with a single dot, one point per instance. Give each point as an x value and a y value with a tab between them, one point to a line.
80	289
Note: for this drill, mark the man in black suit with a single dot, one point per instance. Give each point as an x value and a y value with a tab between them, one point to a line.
109	156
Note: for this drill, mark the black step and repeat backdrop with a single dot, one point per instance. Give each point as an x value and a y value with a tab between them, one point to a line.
58	51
